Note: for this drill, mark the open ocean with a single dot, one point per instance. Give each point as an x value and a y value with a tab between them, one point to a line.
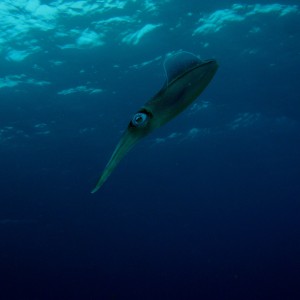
206	207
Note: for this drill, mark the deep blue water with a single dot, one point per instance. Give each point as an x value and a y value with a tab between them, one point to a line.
206	207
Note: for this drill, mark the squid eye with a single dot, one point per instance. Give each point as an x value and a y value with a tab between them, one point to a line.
139	120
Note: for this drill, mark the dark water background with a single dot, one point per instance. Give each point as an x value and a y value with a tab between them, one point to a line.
207	207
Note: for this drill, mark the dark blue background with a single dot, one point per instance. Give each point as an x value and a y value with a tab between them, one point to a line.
210	217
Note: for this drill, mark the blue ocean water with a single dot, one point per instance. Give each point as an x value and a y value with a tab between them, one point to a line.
206	207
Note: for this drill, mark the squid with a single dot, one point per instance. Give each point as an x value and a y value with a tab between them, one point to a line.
186	78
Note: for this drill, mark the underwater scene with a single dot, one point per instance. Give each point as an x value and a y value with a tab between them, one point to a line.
149	149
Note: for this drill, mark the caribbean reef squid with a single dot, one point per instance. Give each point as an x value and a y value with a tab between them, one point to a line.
186	78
